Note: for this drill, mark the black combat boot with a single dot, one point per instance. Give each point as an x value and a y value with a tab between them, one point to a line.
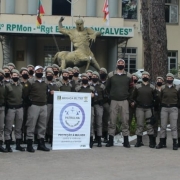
175	145
1	148
46	138
110	142
96	137
99	141
164	142
139	141
29	146
160	145
91	142
24	139
8	147
154	139
151	141
105	135
35	139
41	145
18	145
178	142
126	142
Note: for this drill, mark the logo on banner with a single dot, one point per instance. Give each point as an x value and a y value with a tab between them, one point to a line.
85	99
72	117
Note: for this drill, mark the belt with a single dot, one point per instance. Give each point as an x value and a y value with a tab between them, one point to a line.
15	106
145	105
169	105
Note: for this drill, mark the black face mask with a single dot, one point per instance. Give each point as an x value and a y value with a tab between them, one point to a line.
65	78
95	80
85	81
39	75
76	74
49	78
7	75
25	76
145	79
1	78
70	76
159	83
169	81
135	81
31	72
55	73
90	77
15	79
103	76
120	67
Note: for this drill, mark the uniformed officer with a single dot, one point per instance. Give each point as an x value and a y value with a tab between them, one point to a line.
89	73
106	106
24	81
7	74
2	109
143	96
86	88
157	107
71	80
30	68
169	111
52	86
37	112
118	85
98	105
56	71
76	75
13	96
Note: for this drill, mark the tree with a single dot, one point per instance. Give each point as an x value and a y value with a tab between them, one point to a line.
154	37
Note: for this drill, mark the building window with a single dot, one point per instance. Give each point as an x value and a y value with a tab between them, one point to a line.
61	7
171	11
172	61
130	59
50	51
129	9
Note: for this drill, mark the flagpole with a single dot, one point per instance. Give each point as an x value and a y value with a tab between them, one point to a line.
72	2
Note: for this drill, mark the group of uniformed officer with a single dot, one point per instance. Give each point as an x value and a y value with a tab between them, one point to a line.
26	101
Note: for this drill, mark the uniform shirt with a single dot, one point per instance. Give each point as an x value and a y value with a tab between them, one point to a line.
13	93
118	85
106	94
144	95
170	95
37	92
25	91
2	93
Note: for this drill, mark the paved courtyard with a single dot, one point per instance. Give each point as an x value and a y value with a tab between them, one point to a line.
114	163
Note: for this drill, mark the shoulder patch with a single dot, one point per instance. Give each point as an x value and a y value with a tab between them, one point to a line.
102	86
163	87
111	74
77	88
152	86
92	88
128	74
138	86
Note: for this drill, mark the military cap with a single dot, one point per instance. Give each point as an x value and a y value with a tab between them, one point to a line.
11	64
135	74
1	71
49	71
145	73
84	75
30	65
104	70
23	69
70	69
65	71
55	66
48	67
89	71
159	77
15	71
6	67
76	68
170	75
95	73
38	67
121	60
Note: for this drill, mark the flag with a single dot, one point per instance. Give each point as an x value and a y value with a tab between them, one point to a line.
40	12
106	12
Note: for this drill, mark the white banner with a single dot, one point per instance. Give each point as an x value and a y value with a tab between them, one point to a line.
71	122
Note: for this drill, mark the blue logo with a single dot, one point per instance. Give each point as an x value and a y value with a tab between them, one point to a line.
72	117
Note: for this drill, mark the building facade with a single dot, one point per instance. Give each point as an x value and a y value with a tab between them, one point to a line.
23	43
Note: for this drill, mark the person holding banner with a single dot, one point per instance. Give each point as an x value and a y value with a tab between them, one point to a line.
86	88
98	105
